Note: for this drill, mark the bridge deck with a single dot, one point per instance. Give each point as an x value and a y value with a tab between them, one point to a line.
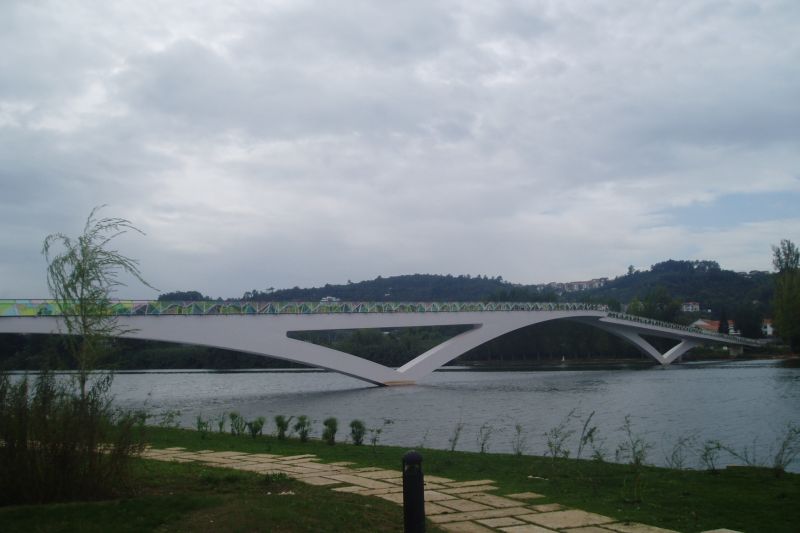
46	307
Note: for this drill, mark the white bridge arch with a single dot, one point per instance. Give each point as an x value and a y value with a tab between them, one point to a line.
266	332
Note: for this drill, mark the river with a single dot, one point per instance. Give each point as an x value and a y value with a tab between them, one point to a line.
743	404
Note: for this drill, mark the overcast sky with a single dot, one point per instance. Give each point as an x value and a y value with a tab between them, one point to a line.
274	144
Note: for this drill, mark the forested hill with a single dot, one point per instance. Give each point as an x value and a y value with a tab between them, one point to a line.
696	281
414	287
693	281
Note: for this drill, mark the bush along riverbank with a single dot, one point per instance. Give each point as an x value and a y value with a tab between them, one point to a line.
743	498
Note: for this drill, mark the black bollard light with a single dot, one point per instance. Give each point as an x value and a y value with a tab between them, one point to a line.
413	493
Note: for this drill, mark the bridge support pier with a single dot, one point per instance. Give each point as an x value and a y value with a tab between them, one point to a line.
668	357
736	350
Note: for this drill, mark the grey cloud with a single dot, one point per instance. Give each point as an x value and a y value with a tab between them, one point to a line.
355	139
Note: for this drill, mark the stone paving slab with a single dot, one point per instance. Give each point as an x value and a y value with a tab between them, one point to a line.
477	515
319	481
258	456
300	470
464	527
436	496
285	458
456	484
223	454
211	460
437	479
525	496
633	527
317	473
470	489
587	529
434	508
350	488
187	455
492	500
394	497
379	474
566	519
528	528
261	468
501	522
313	466
547	507
379	492
464	505
363	482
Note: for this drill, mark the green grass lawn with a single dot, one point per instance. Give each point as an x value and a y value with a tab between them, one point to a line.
191	497
746	499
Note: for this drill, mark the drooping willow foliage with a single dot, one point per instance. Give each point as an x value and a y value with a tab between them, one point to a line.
82	275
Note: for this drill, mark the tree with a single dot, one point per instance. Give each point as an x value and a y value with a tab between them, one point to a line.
786	260
82	274
724	327
184	296
748	319
658	304
785	257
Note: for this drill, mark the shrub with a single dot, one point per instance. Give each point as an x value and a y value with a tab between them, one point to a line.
787	450
709	454
202	426
558	436
256	426
237	423
484	436
520	441
677	456
329	433
62	443
375	433
169	419
302	427
588	435
282	423
634	448
453	440
357	432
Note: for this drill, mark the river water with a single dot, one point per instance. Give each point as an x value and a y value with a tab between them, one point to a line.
740	403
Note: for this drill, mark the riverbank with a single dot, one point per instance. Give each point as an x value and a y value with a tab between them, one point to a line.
743	499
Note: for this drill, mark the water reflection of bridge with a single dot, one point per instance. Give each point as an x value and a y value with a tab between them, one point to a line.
262	328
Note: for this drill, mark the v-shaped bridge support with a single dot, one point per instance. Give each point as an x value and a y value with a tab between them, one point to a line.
635	338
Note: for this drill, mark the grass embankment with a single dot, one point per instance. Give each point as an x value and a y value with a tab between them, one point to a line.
190	497
178	497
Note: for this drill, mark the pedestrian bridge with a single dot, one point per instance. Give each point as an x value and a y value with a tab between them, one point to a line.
262	328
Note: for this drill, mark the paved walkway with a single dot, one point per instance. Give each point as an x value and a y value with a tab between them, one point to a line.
458	506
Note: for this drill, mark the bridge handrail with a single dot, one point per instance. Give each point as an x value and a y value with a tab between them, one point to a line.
45	307
672	325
